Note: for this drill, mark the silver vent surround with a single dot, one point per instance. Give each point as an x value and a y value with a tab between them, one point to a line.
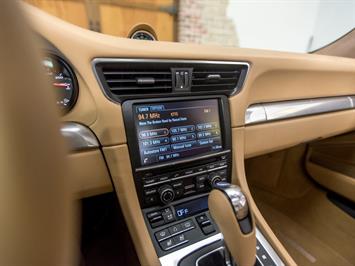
241	79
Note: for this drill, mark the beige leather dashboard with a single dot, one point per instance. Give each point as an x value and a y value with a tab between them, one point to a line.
272	77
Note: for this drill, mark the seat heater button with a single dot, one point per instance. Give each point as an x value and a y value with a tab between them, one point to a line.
167	244
179	239
163	234
175	229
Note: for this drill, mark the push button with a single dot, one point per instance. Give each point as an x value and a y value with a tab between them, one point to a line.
201	178
201	218
187	225
163	178
163	234
175	229
167	244
152	199
200	186
149	192
179	192
168	215
177	184
208	229
153	214
179	239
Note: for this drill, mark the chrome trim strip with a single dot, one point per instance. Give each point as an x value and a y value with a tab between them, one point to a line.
95	61
267	112
174	258
268	248
79	137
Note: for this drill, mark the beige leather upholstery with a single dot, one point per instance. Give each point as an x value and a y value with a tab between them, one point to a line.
242	246
35	223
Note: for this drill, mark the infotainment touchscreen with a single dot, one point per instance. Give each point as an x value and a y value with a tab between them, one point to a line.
175	130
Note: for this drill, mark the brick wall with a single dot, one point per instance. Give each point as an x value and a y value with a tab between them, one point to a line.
205	21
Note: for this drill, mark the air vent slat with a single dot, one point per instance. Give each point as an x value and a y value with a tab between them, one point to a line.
134	73
215	78
213	85
134	80
139	88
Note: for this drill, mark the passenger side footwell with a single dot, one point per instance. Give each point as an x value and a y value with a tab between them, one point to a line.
313	230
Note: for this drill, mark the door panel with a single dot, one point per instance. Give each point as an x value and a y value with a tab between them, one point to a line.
331	163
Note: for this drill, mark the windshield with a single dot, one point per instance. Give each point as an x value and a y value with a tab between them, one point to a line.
283	25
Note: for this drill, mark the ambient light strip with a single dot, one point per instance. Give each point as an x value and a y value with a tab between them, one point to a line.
267	112
78	137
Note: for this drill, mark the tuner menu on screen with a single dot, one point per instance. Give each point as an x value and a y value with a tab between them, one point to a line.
175	130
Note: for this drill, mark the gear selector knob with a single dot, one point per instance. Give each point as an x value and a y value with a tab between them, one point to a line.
230	210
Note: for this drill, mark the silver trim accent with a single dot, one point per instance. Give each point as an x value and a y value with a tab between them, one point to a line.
267	112
268	248
114	60
236	197
79	137
174	258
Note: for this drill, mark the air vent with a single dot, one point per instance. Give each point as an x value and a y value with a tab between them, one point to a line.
222	78
123	79
127	81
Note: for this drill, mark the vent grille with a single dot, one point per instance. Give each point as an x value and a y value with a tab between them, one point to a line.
129	81
124	79
219	78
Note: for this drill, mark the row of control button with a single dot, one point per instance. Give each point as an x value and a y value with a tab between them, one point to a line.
167	193
150	181
205	224
173	236
174	230
160	217
173	242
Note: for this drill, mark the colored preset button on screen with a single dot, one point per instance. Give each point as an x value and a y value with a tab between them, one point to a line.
147	134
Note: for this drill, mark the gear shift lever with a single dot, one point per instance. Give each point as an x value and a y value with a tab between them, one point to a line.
229	208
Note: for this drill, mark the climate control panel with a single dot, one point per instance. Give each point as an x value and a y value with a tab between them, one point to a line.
162	189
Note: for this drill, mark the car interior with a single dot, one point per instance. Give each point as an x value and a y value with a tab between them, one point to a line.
172	154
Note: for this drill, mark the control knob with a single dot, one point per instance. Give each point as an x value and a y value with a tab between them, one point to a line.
213	179
166	194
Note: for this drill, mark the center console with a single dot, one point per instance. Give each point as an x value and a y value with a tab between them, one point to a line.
179	147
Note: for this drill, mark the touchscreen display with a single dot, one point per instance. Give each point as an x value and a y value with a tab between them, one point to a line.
175	130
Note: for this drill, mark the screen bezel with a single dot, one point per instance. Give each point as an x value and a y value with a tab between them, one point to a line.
132	138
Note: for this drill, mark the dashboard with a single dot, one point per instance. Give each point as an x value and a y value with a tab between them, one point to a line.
162	136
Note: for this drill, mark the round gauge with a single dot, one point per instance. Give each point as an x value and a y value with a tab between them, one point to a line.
143	31
63	81
143	35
